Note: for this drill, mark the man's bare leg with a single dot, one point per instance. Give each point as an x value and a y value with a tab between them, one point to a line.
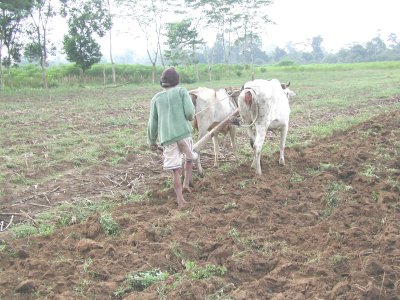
188	175
178	187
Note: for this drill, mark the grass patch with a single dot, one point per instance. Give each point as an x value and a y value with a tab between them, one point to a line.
334	192
23	230
369	171
196	272
109	225
338	259
296	178
139	281
230	206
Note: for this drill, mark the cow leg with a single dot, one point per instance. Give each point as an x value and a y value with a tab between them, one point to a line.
216	150
232	134
199	167
259	142
250	134
284	131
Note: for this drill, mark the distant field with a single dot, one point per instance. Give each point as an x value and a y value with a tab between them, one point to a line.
90	199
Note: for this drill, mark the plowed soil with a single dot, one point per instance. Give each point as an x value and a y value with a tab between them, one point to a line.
325	226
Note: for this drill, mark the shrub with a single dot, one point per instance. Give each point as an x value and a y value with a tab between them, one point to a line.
109	226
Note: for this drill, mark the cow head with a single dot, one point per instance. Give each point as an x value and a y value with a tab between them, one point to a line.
285	85
288	92
233	94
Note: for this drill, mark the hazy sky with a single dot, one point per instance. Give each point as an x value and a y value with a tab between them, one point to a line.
338	22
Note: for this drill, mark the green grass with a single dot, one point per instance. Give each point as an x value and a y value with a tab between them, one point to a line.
109	225
334	196
139	281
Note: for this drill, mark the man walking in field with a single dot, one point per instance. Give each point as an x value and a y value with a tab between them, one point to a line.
170	115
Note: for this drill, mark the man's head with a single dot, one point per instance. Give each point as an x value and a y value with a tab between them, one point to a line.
169	78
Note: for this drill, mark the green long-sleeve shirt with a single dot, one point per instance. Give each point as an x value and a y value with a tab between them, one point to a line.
170	114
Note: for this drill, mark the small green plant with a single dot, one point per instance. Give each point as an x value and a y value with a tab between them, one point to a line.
24	230
230	205
272	246
325	166
369	171
374	196
208	271
181	215
313	171
333	197
313	258
234	233
242	184
82	286
176	251
108	224
86	264
296	178
167	183
139	281
46	229
337	259
226	167
134	198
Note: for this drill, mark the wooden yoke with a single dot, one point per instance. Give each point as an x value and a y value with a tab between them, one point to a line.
200	143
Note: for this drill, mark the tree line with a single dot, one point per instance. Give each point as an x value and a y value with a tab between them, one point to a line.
237	26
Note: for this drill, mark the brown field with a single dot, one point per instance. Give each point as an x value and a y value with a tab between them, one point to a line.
325	226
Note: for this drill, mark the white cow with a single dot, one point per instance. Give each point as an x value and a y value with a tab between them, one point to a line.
264	105
213	106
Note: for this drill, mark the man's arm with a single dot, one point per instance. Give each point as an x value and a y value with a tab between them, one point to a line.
188	106
152	127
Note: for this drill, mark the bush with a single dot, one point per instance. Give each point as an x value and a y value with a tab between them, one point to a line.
109	226
186	78
286	63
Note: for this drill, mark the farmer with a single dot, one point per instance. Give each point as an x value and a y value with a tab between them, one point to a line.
170	115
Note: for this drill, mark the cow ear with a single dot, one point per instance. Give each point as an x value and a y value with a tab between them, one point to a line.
194	98
288	84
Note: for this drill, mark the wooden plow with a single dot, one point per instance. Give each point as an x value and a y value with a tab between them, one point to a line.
200	143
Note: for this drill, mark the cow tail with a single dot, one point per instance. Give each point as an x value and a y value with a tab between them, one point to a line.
256	118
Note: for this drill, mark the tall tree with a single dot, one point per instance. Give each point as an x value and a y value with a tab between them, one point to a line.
252	21
182	42
278	54
39	47
12	13
317	52
86	20
375	47
149	16
219	14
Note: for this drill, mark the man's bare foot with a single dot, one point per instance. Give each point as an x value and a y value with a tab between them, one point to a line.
182	204
187	189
